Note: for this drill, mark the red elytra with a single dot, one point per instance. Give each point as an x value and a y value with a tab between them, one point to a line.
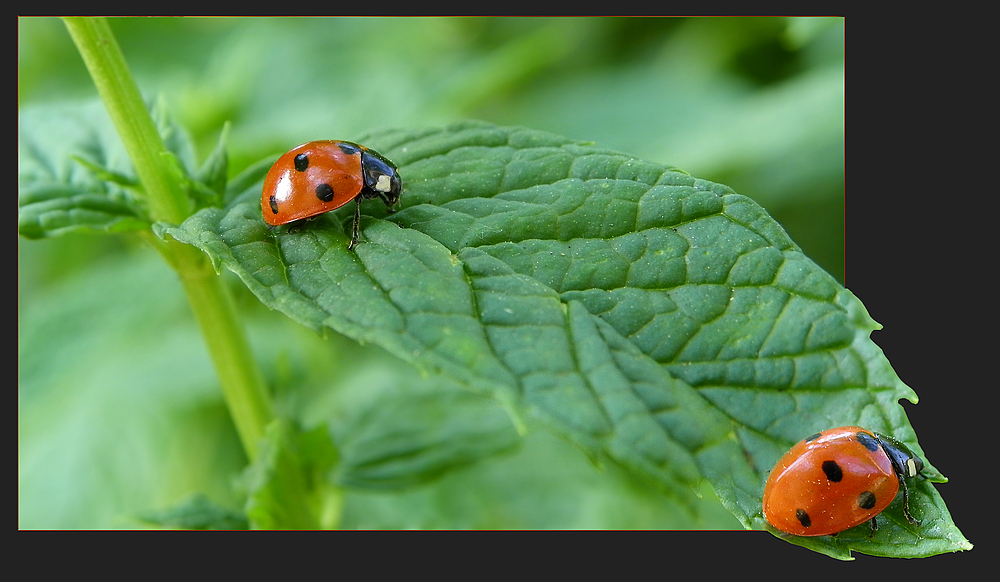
837	479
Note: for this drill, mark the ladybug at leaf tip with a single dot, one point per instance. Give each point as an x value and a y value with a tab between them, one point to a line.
837	479
321	176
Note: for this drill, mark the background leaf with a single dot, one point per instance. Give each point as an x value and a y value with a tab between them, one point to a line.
198	512
102	401
755	103
71	169
418	435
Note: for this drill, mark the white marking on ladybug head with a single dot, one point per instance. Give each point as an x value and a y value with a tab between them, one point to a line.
383	183
911	468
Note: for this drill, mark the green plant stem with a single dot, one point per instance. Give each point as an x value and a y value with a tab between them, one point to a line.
129	113
241	379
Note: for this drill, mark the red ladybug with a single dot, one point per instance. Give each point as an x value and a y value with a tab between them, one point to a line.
321	176
837	479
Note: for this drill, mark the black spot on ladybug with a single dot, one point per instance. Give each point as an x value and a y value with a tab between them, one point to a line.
869	443
348	148
301	162
803	517
324	192
273	203
813	437
866	500
833	471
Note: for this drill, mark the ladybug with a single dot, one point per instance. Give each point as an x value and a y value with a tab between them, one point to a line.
837	479
321	176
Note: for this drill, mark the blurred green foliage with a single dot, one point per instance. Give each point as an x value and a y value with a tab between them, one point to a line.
754	103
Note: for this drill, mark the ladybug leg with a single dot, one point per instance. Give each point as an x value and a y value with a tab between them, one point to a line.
874	525
357	223
906	503
388	203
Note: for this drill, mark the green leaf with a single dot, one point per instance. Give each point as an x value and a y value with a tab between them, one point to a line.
287	485
110	427
197	512
58	195
419	434
74	174
209	184
654	319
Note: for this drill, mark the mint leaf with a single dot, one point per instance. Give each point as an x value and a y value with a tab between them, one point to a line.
417	434
287	485
655	319
197	512
74	175
110	426
58	194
